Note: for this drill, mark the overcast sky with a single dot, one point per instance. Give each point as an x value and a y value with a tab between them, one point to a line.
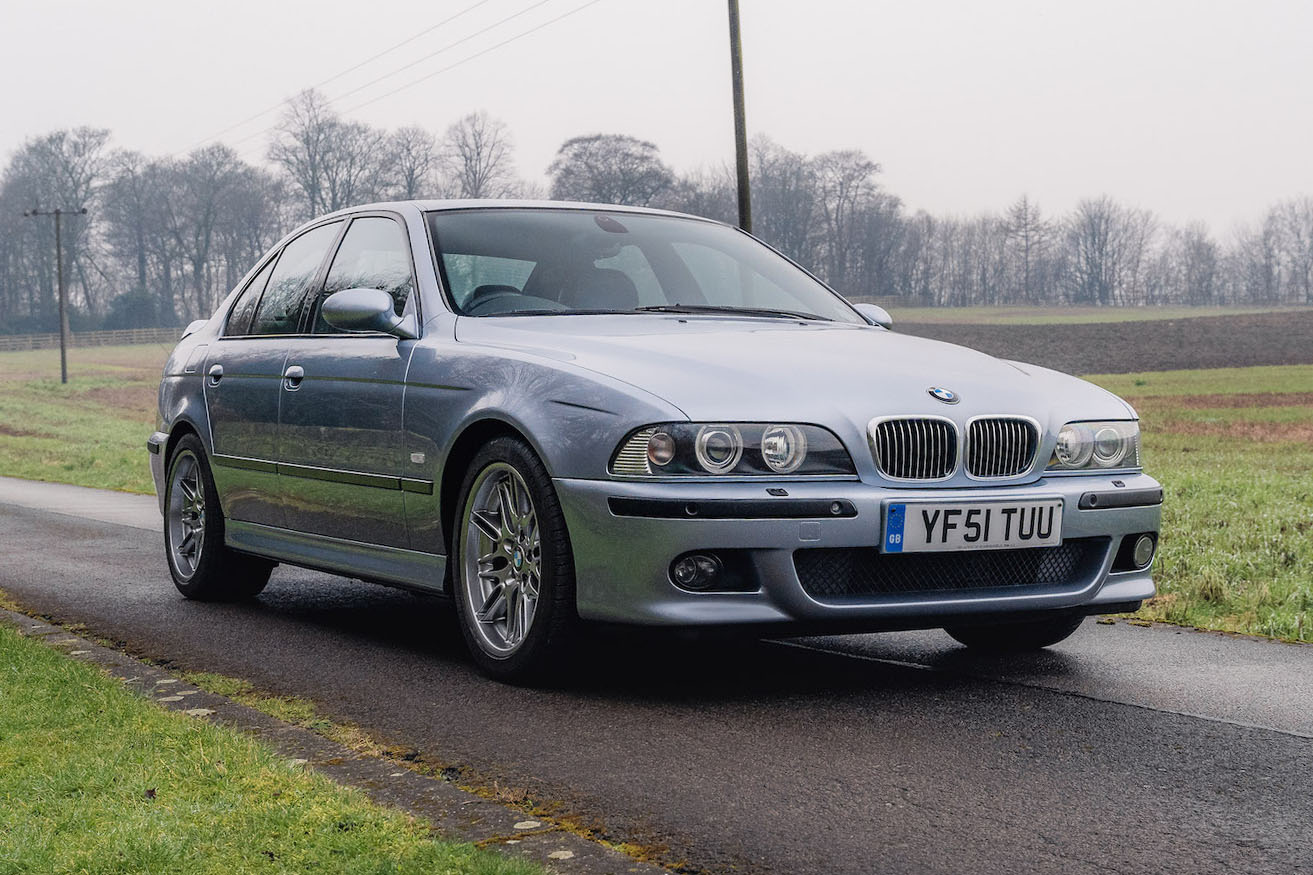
1192	108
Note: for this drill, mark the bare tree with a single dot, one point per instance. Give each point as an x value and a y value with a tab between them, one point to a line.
413	156
784	199
477	158
1028	233
609	168
302	148
845	182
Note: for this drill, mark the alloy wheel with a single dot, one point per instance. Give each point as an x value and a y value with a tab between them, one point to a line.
501	560
186	515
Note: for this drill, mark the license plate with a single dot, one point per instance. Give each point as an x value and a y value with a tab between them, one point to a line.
922	526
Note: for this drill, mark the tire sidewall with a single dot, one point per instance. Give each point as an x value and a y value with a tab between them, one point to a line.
555	611
197	585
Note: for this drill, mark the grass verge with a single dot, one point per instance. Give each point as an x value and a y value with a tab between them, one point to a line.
91	431
1233	448
94	778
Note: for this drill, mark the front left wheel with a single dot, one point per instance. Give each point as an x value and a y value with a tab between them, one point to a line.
202	566
513	570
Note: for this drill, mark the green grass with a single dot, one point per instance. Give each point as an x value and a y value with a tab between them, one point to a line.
1237	542
91	431
95	779
1059	315
1215	381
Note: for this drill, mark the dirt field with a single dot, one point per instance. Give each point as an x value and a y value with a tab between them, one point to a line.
1282	338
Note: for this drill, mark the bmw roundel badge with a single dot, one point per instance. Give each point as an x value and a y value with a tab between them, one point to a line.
939	393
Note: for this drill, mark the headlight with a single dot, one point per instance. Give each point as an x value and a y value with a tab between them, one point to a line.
685	449
1084	446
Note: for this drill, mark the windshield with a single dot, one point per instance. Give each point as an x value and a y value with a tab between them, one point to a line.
504	262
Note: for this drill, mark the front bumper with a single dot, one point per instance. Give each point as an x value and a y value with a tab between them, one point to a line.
622	561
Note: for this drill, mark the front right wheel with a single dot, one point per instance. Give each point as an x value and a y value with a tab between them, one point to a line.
513	570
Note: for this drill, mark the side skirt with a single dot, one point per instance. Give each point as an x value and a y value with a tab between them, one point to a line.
390	565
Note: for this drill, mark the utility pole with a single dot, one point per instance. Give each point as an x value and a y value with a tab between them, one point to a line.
740	119
59	275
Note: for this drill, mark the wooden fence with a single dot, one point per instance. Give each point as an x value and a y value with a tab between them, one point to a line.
9	342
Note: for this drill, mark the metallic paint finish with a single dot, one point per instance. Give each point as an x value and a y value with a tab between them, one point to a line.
243	409
345	415
573	387
341	556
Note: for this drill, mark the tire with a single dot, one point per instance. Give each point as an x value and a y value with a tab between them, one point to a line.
1016	637
203	567
516	632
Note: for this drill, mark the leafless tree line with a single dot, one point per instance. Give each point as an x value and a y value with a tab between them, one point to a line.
167	237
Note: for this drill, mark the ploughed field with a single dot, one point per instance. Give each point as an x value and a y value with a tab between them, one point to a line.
1281	337
1226	404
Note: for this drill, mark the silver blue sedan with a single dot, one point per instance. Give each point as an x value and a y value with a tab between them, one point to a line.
563	413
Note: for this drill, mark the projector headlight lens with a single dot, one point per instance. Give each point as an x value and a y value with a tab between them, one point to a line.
1084	446
783	448
718	448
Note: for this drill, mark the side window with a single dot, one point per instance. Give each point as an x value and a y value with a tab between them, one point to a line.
239	317
280	308
374	255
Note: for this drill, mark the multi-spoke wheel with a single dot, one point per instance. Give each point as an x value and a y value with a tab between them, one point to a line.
202	566
513	573
186	520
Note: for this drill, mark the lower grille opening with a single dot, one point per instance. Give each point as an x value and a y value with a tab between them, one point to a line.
858	572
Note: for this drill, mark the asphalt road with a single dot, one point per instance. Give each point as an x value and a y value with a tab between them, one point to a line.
1126	749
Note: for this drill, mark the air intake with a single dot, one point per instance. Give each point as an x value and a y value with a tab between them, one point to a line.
915	448
1000	447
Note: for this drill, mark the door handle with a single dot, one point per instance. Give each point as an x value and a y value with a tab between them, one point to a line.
216	374
294	375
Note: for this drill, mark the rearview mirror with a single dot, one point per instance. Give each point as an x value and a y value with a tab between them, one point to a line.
367	310
876	315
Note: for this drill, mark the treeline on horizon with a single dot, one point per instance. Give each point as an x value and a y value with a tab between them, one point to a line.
165	238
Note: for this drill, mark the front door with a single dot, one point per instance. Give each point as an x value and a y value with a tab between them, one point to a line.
341	456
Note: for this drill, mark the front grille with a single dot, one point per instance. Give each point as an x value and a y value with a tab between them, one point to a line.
1000	447
862	572
915	449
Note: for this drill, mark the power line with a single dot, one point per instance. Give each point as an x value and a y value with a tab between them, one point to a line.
452	66
445	48
339	75
478	54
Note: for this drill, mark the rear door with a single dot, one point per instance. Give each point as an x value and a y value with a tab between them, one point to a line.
245	370
342	452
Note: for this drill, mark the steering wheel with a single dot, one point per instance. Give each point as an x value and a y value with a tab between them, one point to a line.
486	294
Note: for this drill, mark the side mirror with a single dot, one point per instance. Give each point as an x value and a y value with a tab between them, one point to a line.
367	310
876	315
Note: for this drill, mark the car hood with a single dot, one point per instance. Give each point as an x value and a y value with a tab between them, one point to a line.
734	369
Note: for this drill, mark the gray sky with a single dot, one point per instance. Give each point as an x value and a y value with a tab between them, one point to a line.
1194	109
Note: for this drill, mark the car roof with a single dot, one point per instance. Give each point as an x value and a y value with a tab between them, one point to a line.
430	206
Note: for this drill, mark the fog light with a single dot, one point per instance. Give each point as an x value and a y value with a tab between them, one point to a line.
1143	553
696	571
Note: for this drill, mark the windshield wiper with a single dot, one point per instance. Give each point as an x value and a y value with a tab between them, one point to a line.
735	311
